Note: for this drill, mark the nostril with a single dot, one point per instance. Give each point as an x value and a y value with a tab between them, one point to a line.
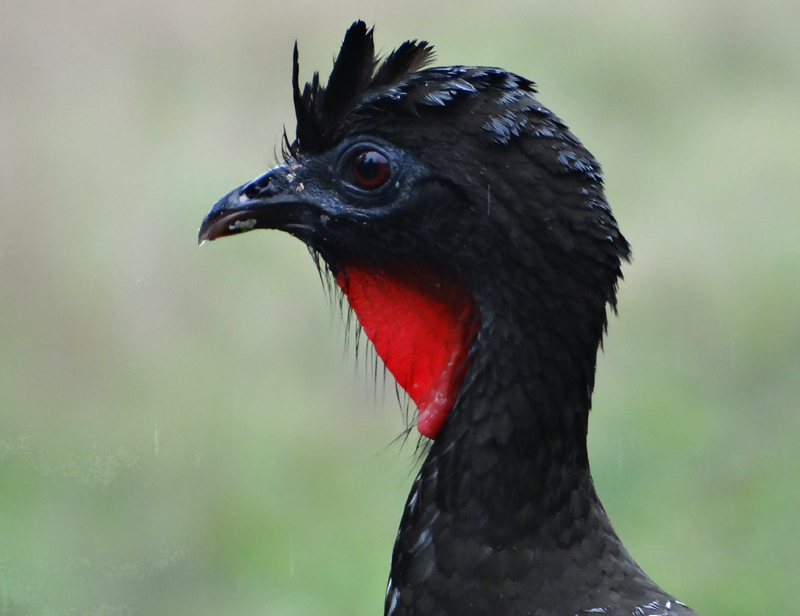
252	189
257	187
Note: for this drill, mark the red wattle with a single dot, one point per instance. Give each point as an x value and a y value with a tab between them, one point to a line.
421	324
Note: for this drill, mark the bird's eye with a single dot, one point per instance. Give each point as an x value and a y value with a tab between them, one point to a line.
370	169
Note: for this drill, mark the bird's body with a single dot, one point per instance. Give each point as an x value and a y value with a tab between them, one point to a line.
468	228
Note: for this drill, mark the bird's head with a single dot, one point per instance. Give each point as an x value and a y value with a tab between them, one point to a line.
443	200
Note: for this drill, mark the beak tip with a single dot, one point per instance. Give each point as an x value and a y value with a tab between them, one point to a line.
203	234
210	228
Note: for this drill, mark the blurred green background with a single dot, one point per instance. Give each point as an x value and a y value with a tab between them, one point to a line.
180	430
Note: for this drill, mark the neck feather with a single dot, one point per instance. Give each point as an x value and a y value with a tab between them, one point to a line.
504	510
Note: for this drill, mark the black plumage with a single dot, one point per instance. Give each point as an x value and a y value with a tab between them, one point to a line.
458	178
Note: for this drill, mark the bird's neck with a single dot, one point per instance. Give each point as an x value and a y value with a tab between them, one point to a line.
512	456
504	504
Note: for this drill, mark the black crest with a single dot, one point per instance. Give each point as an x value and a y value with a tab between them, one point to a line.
356	72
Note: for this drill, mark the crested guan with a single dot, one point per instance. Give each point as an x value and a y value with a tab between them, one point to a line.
468	229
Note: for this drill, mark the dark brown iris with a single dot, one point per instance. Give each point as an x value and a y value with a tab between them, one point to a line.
370	170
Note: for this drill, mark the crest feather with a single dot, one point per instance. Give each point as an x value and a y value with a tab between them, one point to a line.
352	71
319	109
410	57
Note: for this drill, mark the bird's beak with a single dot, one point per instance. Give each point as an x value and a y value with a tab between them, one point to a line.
271	201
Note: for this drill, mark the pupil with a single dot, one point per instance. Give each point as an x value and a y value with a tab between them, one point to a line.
370	165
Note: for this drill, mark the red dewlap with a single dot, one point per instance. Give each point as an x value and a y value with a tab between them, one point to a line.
422	325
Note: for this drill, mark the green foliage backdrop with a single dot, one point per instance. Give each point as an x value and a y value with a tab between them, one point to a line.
180	431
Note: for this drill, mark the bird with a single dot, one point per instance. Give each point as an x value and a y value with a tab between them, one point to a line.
468	229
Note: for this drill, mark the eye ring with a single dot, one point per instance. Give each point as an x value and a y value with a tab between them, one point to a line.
370	169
